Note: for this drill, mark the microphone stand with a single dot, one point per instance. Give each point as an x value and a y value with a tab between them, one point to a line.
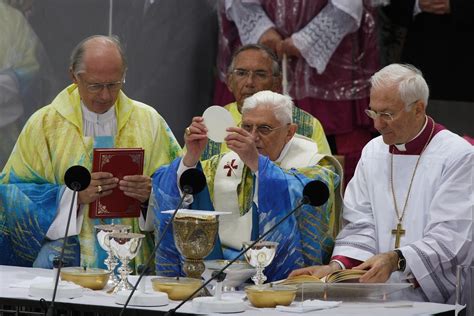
50	311
305	200
186	190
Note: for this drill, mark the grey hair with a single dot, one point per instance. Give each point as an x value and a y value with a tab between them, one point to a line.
409	79
76	61
281	105
275	64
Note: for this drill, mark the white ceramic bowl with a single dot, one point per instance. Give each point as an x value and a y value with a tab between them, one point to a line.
236	274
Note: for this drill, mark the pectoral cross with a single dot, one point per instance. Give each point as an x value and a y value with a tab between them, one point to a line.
398	232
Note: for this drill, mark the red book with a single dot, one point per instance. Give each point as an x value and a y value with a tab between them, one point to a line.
120	162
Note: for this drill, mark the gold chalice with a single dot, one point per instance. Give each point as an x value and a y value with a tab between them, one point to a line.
195	237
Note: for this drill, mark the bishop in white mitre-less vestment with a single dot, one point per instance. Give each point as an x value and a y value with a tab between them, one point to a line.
437	221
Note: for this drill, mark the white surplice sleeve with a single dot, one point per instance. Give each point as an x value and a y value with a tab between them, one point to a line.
250	19
319	39
447	237
146	223
357	238
58	226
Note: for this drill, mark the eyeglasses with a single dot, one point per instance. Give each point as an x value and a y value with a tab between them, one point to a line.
111	86
384	116
258	75
260	129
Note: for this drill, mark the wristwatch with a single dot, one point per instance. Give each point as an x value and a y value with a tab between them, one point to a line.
402	263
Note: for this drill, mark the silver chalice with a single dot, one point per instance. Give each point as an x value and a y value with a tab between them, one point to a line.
260	256
111	262
125	246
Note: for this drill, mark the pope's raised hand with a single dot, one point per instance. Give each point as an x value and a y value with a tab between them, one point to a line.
195	138
243	143
101	184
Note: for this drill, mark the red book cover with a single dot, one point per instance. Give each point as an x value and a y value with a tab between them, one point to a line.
120	162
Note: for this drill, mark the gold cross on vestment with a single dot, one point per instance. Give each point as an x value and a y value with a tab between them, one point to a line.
398	232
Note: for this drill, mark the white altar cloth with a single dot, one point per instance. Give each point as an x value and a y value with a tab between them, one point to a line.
14	275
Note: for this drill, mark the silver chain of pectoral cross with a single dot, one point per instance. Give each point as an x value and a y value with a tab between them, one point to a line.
398	231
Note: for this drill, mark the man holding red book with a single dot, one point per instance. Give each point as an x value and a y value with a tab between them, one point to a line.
91	113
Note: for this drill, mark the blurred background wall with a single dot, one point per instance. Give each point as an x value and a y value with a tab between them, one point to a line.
172	47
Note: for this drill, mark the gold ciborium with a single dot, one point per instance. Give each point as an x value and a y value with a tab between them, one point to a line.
195	237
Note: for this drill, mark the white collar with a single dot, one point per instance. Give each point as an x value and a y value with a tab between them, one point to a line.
284	151
96	118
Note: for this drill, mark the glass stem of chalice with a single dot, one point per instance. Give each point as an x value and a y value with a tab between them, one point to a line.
110	262
260	256
125	246
195	237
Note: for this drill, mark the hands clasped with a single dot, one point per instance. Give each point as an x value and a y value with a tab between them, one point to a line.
435	6
273	40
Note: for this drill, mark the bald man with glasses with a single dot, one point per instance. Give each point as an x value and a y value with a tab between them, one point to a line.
93	112
259	180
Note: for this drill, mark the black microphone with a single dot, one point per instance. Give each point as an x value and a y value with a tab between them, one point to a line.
315	193
192	181
76	178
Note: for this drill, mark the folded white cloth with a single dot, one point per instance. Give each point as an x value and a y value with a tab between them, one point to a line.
234	295
26	283
308	306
